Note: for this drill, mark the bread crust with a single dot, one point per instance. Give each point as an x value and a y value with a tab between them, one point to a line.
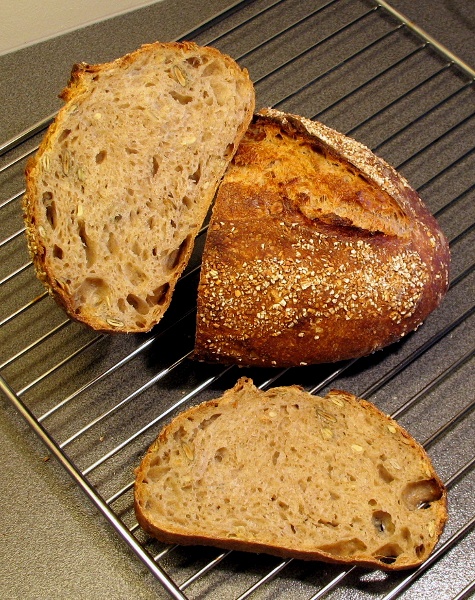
77	89
169	532
289	280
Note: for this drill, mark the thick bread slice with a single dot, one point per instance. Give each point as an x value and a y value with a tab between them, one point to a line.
317	251
294	475
125	176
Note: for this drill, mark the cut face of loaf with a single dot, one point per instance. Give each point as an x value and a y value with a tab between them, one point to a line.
317	251
125	176
294	475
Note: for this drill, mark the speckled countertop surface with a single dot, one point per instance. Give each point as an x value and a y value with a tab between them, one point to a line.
54	544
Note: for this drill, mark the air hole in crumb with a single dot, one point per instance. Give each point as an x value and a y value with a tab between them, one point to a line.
229	150
420	549
121	305
180	98
383	522
275	457
131	150
187	201
196	176
220	454
100	156
57	252
112	244
51	214
138	304
175	257
388	553
418	494
195	61
87	244
93	291
158	296
345	547
136	249
47	199
133	273
155	165
384	474
209	421
212	68
406	534
64	134
82	233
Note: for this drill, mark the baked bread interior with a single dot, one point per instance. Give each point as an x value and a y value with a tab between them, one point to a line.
125	176
294	475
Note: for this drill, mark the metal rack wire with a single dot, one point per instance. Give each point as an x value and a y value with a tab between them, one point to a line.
97	402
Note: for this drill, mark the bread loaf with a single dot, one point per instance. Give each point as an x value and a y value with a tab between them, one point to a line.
317	251
125	176
294	475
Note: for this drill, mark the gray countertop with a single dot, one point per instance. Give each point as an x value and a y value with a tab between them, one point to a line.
54	542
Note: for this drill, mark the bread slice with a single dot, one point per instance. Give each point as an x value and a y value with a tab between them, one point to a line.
125	176
317	251
294	475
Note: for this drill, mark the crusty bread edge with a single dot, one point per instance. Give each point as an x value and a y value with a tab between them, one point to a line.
177	536
360	156
37	249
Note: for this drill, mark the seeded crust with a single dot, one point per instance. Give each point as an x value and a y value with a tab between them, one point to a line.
125	176
317	251
294	475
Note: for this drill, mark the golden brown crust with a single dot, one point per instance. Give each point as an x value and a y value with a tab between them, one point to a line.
317	251
168	531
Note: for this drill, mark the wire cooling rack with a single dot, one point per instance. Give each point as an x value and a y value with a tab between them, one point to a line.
97	401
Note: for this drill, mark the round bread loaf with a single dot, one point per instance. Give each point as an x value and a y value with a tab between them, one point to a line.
317	251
